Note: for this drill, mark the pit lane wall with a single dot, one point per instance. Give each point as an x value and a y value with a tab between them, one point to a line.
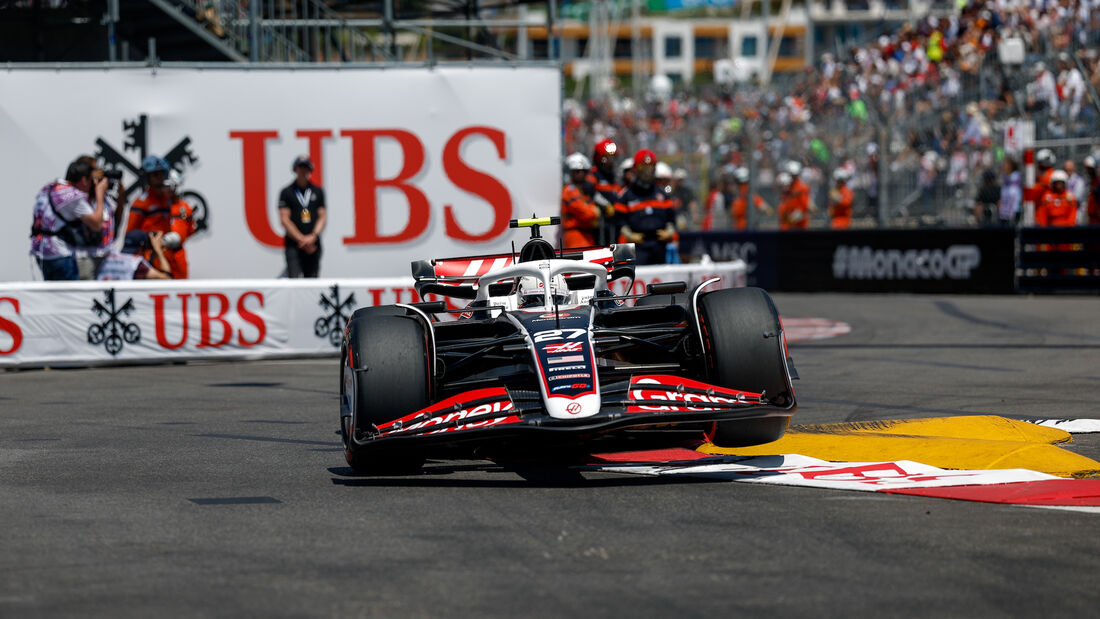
414	162
102	323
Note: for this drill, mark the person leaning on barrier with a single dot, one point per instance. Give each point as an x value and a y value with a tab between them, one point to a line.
607	188
1058	206
302	212
580	216
1012	194
840	201
739	208
131	262
65	219
987	200
794	205
689	204
181	225
159	209
646	215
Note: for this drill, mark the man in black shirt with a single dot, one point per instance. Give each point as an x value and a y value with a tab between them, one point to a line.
302	212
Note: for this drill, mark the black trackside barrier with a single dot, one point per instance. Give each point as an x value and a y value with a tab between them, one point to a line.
1059	260
972	260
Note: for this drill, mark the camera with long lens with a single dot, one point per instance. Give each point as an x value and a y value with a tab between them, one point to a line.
112	176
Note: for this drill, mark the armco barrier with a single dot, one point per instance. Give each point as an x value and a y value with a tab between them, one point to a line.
99	323
917	260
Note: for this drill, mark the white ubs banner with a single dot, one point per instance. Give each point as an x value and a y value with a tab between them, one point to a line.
102	323
415	163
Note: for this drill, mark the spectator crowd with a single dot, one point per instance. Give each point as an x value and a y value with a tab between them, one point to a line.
918	112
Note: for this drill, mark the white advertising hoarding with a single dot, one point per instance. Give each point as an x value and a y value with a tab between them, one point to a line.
415	163
103	323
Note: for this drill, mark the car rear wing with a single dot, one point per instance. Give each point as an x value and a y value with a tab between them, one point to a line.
458	277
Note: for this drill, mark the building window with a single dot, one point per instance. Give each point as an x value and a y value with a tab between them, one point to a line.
673	47
706	47
623	49
790	47
748	47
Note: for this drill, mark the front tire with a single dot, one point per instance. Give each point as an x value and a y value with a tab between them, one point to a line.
743	350
384	375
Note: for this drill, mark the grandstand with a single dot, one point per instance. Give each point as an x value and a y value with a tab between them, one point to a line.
914	97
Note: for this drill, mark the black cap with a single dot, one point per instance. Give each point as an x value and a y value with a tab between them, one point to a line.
302	161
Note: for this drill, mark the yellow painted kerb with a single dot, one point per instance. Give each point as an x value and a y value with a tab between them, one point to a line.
978	442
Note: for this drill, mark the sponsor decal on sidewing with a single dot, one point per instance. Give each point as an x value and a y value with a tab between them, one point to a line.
664	388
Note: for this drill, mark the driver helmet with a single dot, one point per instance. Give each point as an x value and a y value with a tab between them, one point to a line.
576	162
531	290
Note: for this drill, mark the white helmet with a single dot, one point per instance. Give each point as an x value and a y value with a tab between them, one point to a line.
840	174
174	180
626	164
793	168
741	175
1045	157
531	290
577	161
664	170
1058	176
784	179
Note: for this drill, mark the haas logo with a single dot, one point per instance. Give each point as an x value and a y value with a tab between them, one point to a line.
566	347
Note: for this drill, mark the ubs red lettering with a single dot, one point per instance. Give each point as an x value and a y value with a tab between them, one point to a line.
367	184
215	320
11	328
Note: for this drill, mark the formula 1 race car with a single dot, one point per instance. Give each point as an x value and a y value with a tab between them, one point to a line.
543	360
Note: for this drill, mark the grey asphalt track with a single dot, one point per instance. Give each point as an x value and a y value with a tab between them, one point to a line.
219	490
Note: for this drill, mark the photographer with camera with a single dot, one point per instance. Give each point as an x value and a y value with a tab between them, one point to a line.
88	258
64	219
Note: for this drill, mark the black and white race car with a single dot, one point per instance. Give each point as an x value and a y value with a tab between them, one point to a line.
541	359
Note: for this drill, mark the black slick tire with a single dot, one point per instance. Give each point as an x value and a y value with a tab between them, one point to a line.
743	350
384	375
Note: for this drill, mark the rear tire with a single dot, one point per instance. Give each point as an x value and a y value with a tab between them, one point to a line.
384	375
743	350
